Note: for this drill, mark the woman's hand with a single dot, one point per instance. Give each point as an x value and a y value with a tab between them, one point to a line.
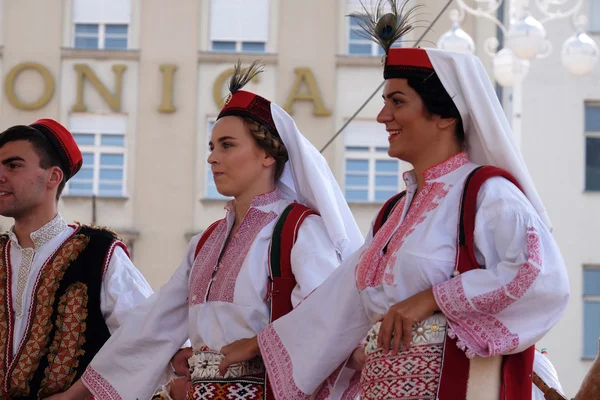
357	359
238	351
178	388
179	362
399	320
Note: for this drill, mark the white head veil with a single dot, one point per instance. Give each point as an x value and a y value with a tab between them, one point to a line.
487	132
308	180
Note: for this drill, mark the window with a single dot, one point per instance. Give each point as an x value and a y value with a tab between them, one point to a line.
370	174
102	143
594	15
239	25
101	36
236	47
87	36
101	24
358	45
210	191
591	310
592	147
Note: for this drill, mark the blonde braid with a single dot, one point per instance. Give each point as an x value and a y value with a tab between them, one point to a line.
270	142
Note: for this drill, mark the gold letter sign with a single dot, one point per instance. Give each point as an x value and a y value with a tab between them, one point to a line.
168	71
11	78
113	100
305	75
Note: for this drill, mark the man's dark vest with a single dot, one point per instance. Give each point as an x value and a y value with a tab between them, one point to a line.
66	327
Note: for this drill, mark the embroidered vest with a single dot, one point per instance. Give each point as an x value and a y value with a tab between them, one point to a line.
66	327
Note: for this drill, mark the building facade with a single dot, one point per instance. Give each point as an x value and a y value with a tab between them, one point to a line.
139	83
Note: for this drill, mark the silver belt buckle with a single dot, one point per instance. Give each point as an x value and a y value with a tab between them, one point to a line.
429	331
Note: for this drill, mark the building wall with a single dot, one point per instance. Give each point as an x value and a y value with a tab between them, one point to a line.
553	144
166	170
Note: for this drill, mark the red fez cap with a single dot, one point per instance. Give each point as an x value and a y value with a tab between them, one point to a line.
406	63
63	143
246	104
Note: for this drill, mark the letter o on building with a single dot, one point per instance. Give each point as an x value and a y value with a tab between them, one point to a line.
11	78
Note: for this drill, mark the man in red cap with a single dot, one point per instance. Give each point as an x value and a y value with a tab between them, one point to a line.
63	288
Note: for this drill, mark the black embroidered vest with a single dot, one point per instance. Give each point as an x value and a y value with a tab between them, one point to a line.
66	327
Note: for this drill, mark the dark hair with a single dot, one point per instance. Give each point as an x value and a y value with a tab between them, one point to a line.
438	101
270	142
40	144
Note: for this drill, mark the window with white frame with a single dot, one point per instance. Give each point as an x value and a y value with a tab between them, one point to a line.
594	16
102	141
211	191
358	45
101	24
592	147
591	310
370	175
239	25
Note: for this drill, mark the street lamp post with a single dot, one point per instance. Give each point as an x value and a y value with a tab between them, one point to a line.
525	41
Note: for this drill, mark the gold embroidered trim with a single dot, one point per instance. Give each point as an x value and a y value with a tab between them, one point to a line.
30	354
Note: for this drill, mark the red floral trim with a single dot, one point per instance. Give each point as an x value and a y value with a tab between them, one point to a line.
323	393
478	333
226	277
353	387
499	299
447	166
522	282
208	285
375	266
258	201
111	250
534	252
266	199
221	287
99	386
279	365
205	263
493	302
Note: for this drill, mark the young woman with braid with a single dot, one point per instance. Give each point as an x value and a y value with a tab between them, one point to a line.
224	294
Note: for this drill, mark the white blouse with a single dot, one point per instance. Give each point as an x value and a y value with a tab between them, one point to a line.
211	313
